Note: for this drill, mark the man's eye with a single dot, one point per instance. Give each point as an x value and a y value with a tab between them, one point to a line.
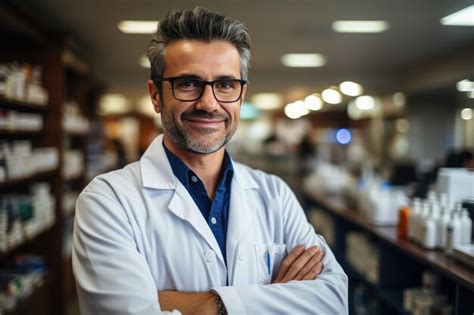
225	84
188	83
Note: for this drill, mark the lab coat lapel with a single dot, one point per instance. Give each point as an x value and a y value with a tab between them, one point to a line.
239	225
184	207
157	174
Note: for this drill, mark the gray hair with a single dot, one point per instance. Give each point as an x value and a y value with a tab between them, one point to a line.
200	24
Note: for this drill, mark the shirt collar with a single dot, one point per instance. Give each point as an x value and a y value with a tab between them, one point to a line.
156	171
184	173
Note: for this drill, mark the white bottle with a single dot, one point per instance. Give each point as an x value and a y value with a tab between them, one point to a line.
425	212
453	232
416	208
466	224
441	228
428	231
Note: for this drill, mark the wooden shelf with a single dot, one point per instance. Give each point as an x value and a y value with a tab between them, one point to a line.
24	180
22	106
15	134
31	39
26	242
435	259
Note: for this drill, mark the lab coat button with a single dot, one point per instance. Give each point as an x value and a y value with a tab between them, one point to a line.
241	257
209	255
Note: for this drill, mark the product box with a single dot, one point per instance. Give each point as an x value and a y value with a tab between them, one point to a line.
464	254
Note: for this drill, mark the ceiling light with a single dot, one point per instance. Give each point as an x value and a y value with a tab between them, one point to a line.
137	27
402	125
365	102
352	26
331	96
466	114
470	94
399	99
313	102
464	17
303	60
267	101
144	62
351	88
465	86
296	110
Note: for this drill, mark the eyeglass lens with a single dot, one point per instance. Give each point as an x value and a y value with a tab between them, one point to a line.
189	89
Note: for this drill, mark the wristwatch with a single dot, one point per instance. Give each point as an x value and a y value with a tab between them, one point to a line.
221	310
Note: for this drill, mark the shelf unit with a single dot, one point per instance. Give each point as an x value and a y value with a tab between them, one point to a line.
401	262
65	77
37	302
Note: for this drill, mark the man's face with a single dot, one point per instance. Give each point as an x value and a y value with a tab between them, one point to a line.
204	125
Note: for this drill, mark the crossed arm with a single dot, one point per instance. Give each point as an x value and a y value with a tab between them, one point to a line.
300	264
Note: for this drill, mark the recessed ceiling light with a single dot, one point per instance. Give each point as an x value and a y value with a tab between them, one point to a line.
144	62
267	101
466	114
296	110
365	102
399	99
353	26
303	60
464	17
351	88
331	96
465	86
313	102
137	27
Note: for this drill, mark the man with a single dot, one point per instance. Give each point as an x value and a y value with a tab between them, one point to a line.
186	229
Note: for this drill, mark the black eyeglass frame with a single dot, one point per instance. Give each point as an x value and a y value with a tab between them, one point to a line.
158	80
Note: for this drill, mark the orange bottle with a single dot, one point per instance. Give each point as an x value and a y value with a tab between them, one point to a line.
403	216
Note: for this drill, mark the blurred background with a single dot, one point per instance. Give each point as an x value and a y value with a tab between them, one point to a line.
364	107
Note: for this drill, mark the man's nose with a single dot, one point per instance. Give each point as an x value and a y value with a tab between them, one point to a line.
207	102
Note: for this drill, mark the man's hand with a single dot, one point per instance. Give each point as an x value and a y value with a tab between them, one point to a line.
301	264
188	302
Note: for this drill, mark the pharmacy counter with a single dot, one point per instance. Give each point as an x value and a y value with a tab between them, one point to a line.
396	264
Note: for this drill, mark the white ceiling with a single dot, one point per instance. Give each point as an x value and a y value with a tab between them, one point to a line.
381	62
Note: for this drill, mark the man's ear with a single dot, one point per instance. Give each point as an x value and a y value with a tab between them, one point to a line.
154	95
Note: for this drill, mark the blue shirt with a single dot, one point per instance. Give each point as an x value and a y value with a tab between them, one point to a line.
215	212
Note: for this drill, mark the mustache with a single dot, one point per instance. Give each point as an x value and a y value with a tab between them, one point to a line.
199	113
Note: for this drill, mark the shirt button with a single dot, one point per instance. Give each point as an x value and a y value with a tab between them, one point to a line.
209	255
213	220
194	179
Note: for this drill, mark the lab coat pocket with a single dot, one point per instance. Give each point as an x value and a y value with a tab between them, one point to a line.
268	261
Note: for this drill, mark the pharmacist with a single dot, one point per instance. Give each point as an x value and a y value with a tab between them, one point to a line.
186	229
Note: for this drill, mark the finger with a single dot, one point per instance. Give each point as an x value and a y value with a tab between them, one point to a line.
299	263
288	261
314	272
309	265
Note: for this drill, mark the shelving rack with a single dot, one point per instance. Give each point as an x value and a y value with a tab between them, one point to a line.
401	262
26	38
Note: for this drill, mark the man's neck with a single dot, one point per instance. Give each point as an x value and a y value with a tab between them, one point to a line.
206	166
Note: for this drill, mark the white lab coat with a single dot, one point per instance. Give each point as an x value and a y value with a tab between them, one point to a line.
138	231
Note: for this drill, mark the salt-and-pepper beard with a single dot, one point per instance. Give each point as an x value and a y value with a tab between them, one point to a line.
184	141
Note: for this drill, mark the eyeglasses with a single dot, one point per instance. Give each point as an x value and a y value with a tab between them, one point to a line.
188	89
